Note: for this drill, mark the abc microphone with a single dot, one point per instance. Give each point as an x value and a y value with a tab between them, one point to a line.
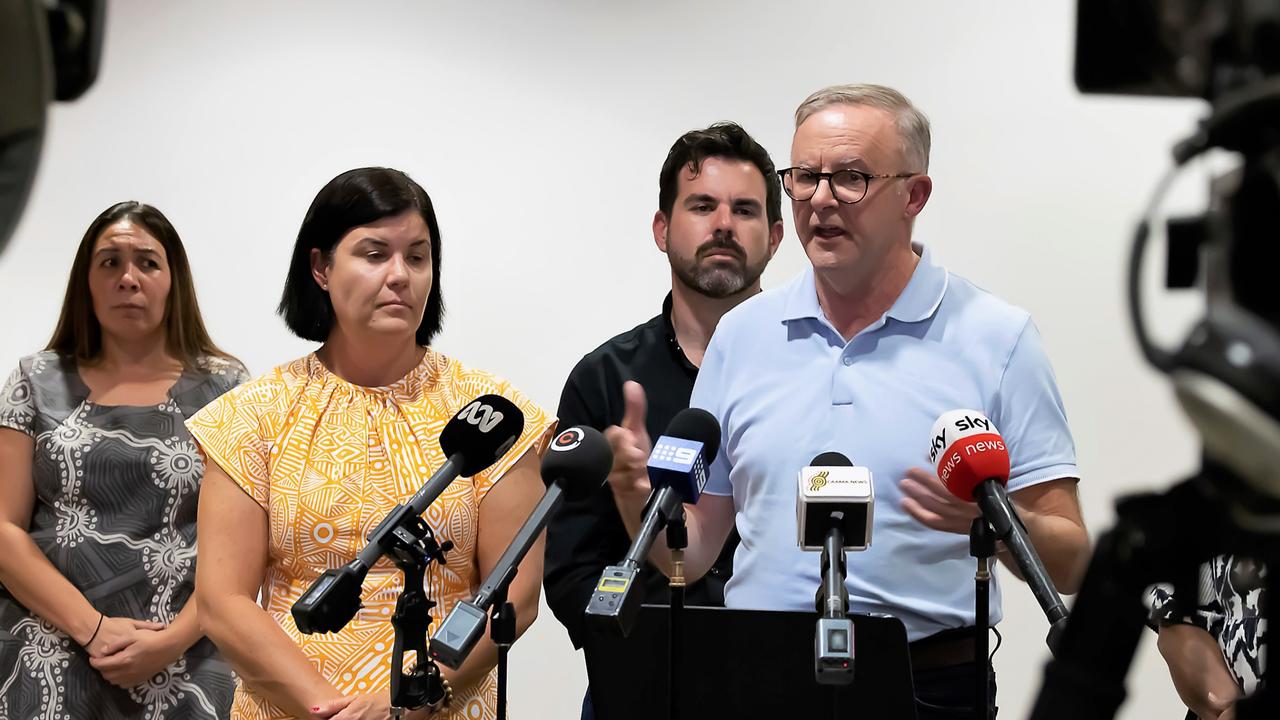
678	472
972	461
576	463
482	431
833	508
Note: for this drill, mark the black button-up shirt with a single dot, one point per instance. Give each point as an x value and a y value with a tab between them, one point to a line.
588	535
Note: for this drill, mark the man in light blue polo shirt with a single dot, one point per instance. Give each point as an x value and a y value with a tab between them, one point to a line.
860	354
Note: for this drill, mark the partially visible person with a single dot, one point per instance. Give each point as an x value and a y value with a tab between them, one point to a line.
98	490
860	354
719	222
1214	648
305	460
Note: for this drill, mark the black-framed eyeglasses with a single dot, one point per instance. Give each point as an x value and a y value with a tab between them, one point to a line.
847	186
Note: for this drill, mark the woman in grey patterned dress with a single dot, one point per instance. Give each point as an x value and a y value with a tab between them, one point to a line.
98	489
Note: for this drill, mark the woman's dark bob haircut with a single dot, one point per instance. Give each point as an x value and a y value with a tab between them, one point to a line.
354	198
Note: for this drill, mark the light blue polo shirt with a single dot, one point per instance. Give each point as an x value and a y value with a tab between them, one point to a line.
785	387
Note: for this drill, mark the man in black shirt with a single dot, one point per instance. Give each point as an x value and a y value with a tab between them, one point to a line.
719	221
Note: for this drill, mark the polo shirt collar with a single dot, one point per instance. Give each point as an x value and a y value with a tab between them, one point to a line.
923	294
918	301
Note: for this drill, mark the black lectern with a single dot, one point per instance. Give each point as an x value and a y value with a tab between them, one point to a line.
745	664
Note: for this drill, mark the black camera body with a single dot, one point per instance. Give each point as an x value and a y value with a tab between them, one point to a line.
1226	374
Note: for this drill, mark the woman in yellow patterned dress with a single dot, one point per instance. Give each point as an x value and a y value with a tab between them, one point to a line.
305	460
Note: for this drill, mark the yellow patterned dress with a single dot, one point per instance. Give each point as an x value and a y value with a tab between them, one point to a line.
327	459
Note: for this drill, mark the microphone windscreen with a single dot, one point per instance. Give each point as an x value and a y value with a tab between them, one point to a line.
581	458
697	425
482	431
967	450
831	459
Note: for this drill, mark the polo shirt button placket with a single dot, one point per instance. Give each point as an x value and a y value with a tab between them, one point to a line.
841	382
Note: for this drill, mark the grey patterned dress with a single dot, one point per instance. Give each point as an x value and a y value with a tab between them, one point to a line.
115	512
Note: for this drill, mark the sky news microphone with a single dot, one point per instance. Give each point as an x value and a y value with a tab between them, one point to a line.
576	464
833	514
678	472
972	461
480	433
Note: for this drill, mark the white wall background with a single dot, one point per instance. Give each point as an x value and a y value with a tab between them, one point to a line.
539	130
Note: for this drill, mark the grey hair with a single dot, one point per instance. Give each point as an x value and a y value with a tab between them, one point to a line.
913	126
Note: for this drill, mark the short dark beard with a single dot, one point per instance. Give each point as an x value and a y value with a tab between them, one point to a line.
717	282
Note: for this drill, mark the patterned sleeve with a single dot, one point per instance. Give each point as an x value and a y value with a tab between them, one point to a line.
239	375
1165	607
217	375
232	373
17	406
232	432
539	428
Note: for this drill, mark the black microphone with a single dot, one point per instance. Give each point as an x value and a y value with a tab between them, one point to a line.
678	472
577	462
477	436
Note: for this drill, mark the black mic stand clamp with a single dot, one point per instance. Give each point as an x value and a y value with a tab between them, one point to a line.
413	546
833	639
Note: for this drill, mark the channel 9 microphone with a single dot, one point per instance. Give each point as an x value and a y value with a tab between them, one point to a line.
576	464
678	472
834	502
482	431
972	461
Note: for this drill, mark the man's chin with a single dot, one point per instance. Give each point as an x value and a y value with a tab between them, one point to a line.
828	259
720	288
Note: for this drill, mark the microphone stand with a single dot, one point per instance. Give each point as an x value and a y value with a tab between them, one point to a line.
982	545
456	636
502	629
413	547
677	541
833	637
